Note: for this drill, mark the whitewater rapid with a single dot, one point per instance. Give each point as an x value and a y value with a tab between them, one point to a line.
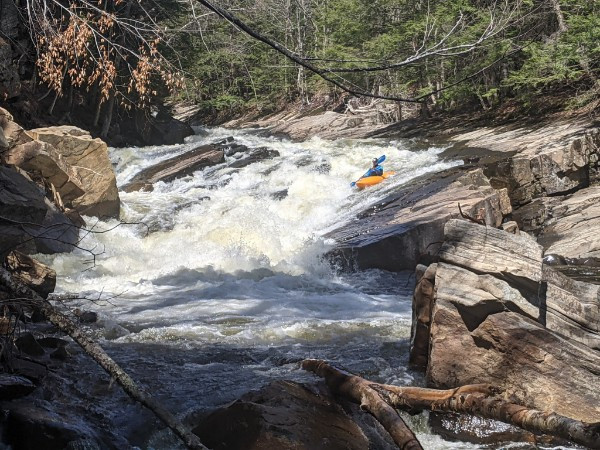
217	281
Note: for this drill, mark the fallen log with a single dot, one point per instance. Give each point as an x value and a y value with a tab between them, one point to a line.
478	399
101	357
360	391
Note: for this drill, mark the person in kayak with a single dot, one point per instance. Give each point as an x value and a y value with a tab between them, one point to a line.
376	169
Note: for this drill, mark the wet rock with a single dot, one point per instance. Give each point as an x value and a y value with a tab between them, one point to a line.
499	316
231	149
259	154
323	168
163	129
31	370
279	195
32	273
61	353
486	432
26	343
13	386
88	317
20	202
408	227
52	342
42	159
177	167
42	427
89	158
283	415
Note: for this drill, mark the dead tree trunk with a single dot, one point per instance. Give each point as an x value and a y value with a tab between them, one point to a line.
477	399
101	357
360	391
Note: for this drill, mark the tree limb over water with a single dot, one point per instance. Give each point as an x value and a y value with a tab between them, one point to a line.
479	399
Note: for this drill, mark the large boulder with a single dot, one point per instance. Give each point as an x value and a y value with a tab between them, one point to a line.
21	202
285	416
408	227
41	159
89	158
177	167
498	315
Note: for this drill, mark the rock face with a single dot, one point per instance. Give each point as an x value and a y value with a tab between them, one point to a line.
553	159
407	229
42	159
572	223
20	201
89	158
177	167
284	416
498	316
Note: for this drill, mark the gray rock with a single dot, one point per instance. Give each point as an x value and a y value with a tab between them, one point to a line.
20	202
27	344
13	386
42	427
408	227
283	416
259	154
177	167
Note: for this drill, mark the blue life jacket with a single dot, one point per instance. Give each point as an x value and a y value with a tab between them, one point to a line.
376	171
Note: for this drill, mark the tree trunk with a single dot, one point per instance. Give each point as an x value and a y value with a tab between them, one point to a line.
476	399
101	357
360	391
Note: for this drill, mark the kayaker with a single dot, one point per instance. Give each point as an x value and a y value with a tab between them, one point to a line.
376	169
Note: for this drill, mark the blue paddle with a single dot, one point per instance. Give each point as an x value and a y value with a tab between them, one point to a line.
379	161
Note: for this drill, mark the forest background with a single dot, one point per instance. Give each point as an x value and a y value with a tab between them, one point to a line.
437	56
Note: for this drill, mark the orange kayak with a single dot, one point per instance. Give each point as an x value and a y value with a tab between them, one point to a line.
370	181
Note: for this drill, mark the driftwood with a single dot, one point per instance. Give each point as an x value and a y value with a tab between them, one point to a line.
101	357
477	399
361	391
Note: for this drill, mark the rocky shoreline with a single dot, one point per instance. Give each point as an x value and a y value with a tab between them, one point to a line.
481	237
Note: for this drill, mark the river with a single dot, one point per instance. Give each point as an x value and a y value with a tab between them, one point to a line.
219	284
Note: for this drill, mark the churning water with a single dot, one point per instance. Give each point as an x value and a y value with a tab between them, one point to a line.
219	286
